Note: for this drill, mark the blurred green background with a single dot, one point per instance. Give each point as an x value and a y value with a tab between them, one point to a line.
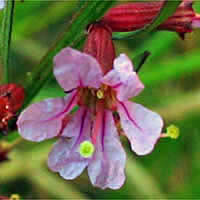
171	76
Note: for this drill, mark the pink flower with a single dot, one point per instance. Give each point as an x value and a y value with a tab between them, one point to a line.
104	109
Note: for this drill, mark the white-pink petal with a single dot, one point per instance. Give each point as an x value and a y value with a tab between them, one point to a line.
106	169
123	63
43	120
141	126
65	157
123	79
74	69
2	4
66	160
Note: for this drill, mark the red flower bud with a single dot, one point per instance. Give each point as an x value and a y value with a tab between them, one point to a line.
11	100
183	19
99	44
134	16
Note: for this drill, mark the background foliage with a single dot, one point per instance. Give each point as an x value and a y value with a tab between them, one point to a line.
171	77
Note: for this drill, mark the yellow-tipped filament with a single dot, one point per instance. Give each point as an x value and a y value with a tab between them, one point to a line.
86	149
173	132
100	94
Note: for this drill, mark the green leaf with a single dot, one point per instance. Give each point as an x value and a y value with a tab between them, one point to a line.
173	69
6	34
167	10
140	59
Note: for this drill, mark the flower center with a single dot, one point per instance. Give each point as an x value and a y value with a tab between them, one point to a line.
89	97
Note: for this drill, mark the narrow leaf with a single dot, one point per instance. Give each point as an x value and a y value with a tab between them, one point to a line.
169	7
140	59
6	34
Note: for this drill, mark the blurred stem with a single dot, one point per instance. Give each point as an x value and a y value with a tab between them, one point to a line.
37	174
156	45
47	180
59	7
142	180
181	106
6	34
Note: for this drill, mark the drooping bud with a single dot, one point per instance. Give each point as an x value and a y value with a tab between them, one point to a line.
86	149
183	21
99	44
134	16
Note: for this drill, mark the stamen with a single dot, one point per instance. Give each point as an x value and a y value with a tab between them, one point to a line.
100	94
173	132
86	149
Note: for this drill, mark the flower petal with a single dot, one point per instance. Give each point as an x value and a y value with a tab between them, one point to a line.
73	69
2	4
196	21
142	126
123	79
106	169
43	120
65	157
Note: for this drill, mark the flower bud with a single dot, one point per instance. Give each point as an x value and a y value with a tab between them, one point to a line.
99	44
183	21
134	16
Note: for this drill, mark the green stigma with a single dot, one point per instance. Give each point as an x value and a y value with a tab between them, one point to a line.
86	149
173	132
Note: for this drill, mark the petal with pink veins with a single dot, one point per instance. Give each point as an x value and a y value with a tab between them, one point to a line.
75	69
123	79
141	126
106	169
43	120
65	157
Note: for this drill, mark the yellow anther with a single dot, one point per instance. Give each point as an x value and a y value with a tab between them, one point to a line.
15	197
86	149
100	94
173	132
